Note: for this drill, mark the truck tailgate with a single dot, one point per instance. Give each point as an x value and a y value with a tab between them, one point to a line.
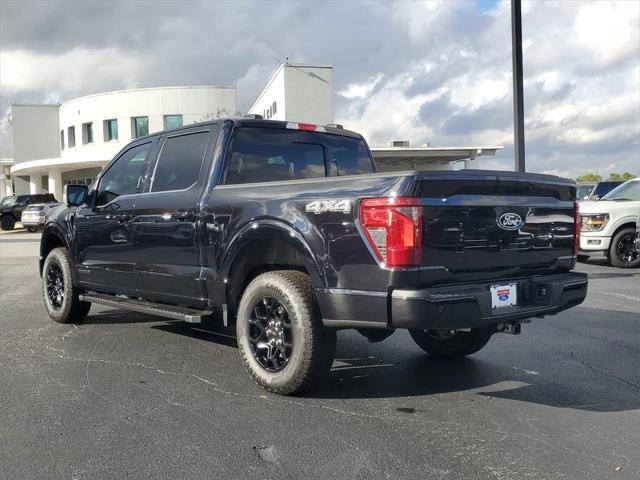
482	224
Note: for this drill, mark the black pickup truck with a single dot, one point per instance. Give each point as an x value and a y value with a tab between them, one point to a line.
289	233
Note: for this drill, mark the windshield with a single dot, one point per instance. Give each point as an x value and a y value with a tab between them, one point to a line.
7	201
583	191
627	191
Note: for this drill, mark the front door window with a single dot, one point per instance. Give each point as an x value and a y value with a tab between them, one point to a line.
122	177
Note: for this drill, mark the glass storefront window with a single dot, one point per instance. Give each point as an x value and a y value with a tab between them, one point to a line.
139	127
110	130
172	121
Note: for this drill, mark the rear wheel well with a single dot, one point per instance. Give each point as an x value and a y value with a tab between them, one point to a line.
257	257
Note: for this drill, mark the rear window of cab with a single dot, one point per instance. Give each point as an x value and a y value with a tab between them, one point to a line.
260	154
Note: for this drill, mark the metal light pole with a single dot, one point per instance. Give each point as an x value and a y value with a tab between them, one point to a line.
518	96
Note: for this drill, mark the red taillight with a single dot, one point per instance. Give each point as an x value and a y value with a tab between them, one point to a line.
393	227
576	228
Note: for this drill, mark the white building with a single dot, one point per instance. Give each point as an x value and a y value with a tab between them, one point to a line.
298	93
56	145
70	143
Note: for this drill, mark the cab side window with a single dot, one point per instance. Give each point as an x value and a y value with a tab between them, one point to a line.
179	163
122	177
351	158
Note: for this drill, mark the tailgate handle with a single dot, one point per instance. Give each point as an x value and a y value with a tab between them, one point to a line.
120	218
182	216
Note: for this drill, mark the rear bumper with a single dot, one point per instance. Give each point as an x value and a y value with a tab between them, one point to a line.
451	307
32	221
470	306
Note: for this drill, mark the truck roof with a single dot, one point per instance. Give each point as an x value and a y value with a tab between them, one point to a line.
254	122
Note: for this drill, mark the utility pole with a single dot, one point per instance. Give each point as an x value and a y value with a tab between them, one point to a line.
518	95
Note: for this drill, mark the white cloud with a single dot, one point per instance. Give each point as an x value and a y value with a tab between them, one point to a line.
437	72
360	90
74	70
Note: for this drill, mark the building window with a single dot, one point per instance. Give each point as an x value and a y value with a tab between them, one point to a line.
110	128
87	133
62	139
275	108
139	127
172	121
71	136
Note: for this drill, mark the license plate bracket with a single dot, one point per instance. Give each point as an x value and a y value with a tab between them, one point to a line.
504	295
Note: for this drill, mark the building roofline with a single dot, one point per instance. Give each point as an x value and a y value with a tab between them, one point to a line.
35	104
308	65
170	87
434	149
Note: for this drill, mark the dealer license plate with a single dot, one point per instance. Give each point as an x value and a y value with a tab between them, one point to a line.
504	296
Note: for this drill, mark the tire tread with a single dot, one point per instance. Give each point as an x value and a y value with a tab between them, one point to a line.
73	311
319	347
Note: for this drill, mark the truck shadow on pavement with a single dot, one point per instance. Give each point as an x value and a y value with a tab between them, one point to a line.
423	376
397	371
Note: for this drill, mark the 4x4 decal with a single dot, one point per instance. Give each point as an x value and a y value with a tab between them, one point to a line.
322	206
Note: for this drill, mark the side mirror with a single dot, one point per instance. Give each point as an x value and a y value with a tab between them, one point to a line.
76	194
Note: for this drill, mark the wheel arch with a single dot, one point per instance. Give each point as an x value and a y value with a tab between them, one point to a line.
51	238
627	224
262	246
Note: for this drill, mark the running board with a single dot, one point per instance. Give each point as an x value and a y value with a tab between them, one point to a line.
190	315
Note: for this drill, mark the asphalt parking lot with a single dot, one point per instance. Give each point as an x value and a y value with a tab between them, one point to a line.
126	395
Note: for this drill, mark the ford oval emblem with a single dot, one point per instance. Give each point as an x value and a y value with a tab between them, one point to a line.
510	221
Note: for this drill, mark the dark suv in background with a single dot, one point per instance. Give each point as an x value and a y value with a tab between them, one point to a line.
11	208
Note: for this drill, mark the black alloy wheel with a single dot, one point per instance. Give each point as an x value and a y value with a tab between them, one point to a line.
282	342
55	286
270	334
626	248
61	296
623	252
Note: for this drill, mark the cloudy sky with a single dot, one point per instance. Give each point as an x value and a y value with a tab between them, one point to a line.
437	72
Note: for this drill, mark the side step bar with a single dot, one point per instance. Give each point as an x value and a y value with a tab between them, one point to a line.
190	315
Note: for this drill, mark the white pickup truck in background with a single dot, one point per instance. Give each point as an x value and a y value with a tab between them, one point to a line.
609	226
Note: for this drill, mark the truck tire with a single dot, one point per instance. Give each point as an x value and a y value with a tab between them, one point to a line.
7	222
32	229
60	295
443	343
623	252
281	339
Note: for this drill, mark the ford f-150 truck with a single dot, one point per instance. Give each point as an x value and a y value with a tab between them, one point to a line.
609	226
289	233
